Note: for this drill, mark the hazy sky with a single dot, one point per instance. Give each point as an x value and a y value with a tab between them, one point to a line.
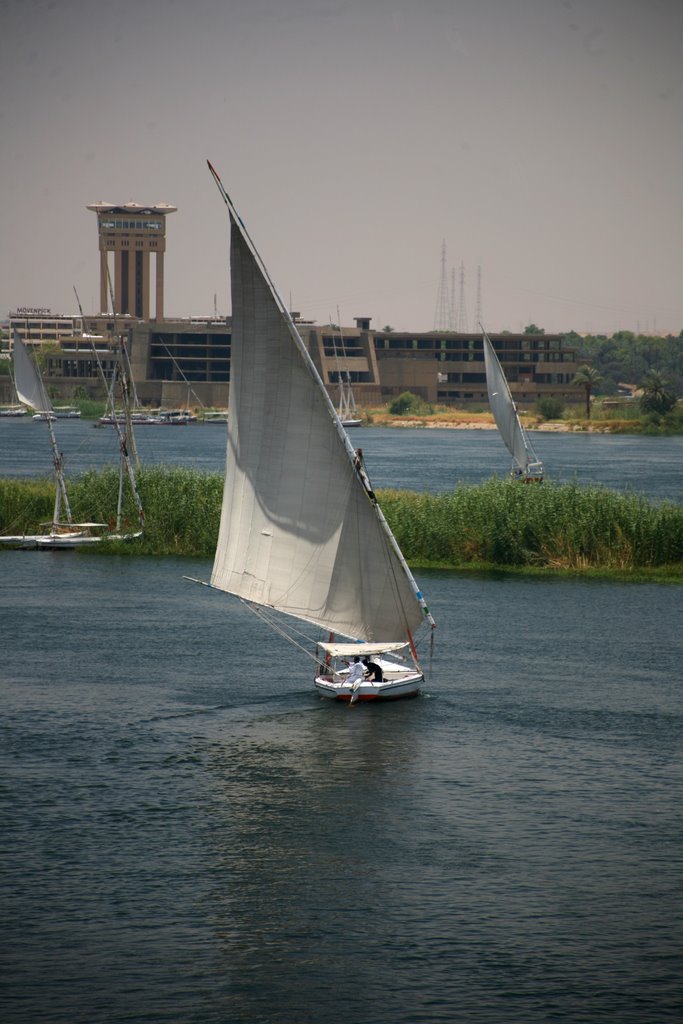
542	140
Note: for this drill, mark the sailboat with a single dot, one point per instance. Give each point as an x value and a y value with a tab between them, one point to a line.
346	409
302	538
526	466
62	531
15	409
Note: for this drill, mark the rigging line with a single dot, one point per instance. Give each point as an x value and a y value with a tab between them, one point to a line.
291	627
180	371
122	437
291	326
278	629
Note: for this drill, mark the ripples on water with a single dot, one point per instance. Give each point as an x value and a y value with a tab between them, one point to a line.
422	460
189	834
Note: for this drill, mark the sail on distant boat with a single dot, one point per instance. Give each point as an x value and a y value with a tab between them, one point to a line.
301	532
15	409
526	465
62	531
346	408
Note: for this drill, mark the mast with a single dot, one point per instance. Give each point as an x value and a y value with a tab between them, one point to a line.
124	459
31	391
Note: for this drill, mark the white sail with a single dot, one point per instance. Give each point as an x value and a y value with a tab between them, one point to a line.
27	380
300	532
505	412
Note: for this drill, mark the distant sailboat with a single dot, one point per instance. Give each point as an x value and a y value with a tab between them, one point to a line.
15	409
526	466
62	532
301	532
346	408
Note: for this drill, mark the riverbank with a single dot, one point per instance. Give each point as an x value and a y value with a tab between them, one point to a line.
497	525
458	419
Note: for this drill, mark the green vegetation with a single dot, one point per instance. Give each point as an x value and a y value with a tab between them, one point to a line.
502	523
588	377
626	358
657	397
408	404
550	408
497	524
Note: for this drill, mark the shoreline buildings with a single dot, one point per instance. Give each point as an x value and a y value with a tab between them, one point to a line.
187	361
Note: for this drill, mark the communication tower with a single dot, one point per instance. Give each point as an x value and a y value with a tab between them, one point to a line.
479	312
442	311
462	308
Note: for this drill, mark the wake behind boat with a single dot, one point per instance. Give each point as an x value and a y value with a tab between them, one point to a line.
302	536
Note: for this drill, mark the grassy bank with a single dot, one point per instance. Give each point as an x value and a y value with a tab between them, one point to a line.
497	524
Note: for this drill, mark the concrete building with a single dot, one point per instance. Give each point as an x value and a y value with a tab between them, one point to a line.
40	326
181	362
132	234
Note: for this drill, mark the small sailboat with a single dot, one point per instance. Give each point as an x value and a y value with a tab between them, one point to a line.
302	536
62	532
526	466
346	409
15	409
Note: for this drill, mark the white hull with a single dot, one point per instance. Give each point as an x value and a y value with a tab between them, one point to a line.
62	541
66	541
24	542
406	685
351	423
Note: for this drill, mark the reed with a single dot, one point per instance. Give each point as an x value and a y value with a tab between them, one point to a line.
497	523
560	526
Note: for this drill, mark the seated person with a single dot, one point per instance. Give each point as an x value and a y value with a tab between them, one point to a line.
373	671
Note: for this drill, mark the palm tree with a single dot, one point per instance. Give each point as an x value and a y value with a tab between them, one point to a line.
656	394
588	378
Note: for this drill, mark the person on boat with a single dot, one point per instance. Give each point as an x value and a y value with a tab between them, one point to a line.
355	672
373	671
359	466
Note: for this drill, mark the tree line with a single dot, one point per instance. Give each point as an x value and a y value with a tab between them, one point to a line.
629	358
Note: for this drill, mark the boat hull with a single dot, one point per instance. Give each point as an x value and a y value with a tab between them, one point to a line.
390	689
65	541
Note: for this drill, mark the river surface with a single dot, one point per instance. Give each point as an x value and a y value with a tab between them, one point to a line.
419	459
191	836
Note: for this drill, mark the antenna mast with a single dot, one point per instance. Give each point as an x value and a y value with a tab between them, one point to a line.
462	308
479	316
442	312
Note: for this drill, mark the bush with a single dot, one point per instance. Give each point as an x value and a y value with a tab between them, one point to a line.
409	404
550	408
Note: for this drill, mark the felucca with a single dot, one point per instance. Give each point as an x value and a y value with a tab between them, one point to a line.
302	537
63	532
526	466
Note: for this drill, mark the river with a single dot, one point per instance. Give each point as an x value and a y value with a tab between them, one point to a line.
191	835
419	459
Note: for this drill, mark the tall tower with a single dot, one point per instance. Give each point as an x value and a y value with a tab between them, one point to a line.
442	311
462	308
479	311
453	319
132	233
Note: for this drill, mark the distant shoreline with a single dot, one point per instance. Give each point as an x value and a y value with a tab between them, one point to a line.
443	423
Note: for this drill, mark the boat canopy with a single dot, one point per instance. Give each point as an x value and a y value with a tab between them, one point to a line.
349	650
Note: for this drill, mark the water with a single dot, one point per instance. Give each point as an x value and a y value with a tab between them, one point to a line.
418	459
191	835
